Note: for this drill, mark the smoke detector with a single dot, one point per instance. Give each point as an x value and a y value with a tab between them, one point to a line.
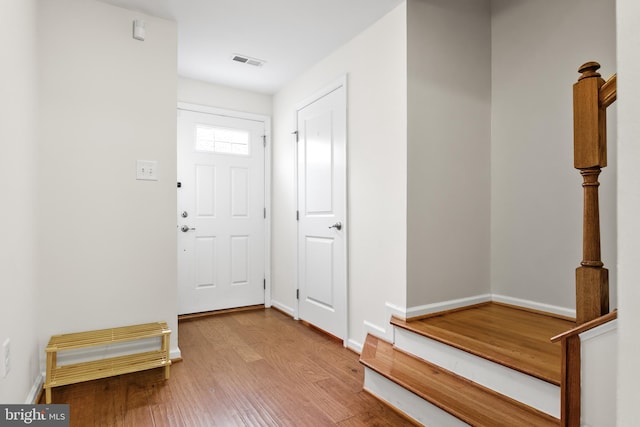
248	60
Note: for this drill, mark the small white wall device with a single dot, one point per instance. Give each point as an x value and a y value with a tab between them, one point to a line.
138	29
147	170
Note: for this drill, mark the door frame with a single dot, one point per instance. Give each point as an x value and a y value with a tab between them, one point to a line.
326	90
266	120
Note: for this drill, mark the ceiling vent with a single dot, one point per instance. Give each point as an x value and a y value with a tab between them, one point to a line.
248	60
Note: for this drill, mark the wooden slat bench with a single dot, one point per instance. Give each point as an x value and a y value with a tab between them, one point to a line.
93	370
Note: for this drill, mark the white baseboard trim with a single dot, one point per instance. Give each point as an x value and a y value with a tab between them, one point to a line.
370	328
175	353
375	330
283	307
355	346
422	310
395	310
385	333
534	305
478	299
35	390
392	310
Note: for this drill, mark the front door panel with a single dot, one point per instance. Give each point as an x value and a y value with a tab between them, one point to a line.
221	171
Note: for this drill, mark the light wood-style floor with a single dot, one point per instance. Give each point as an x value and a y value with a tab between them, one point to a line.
252	368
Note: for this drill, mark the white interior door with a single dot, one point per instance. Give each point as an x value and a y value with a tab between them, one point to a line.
221	212
322	224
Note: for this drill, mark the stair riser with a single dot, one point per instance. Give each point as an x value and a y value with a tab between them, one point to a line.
524	388
405	401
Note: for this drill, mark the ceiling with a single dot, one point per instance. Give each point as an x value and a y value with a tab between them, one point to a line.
290	35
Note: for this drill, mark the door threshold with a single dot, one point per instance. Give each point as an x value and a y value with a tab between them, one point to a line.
192	316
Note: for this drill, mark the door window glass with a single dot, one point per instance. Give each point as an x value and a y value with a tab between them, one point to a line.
221	140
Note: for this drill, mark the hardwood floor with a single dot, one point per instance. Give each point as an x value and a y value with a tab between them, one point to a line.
252	368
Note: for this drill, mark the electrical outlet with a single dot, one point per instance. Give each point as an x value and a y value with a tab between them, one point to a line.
5	360
147	170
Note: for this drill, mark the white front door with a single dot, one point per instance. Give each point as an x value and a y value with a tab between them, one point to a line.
221	212
322	225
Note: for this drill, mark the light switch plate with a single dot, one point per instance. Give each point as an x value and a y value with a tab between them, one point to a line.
147	170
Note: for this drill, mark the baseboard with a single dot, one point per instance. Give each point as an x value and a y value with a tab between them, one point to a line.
392	310
369	328
175	354
36	390
354	346
289	311
534	305
385	333
423	310
375	330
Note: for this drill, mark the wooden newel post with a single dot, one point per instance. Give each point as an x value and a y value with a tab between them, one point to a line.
590	155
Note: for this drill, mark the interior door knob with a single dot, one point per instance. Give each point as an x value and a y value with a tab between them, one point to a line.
337	226
186	228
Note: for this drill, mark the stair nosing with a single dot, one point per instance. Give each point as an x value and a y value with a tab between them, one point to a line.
405	325
453	411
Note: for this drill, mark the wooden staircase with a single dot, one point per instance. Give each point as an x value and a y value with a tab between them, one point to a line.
485	365
497	365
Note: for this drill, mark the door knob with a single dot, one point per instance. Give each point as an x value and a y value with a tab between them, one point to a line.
337	226
186	228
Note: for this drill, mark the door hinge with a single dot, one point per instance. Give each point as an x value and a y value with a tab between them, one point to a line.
297	215
264	283
265	213
297	293
296	133
264	140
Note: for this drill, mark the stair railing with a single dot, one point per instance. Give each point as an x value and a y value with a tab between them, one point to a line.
591	97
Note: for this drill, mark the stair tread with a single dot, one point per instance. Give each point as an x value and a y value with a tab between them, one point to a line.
468	401
513	337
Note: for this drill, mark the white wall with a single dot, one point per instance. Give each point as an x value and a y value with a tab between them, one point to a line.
628	14
18	166
108	242
202	93
375	62
449	146
536	207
